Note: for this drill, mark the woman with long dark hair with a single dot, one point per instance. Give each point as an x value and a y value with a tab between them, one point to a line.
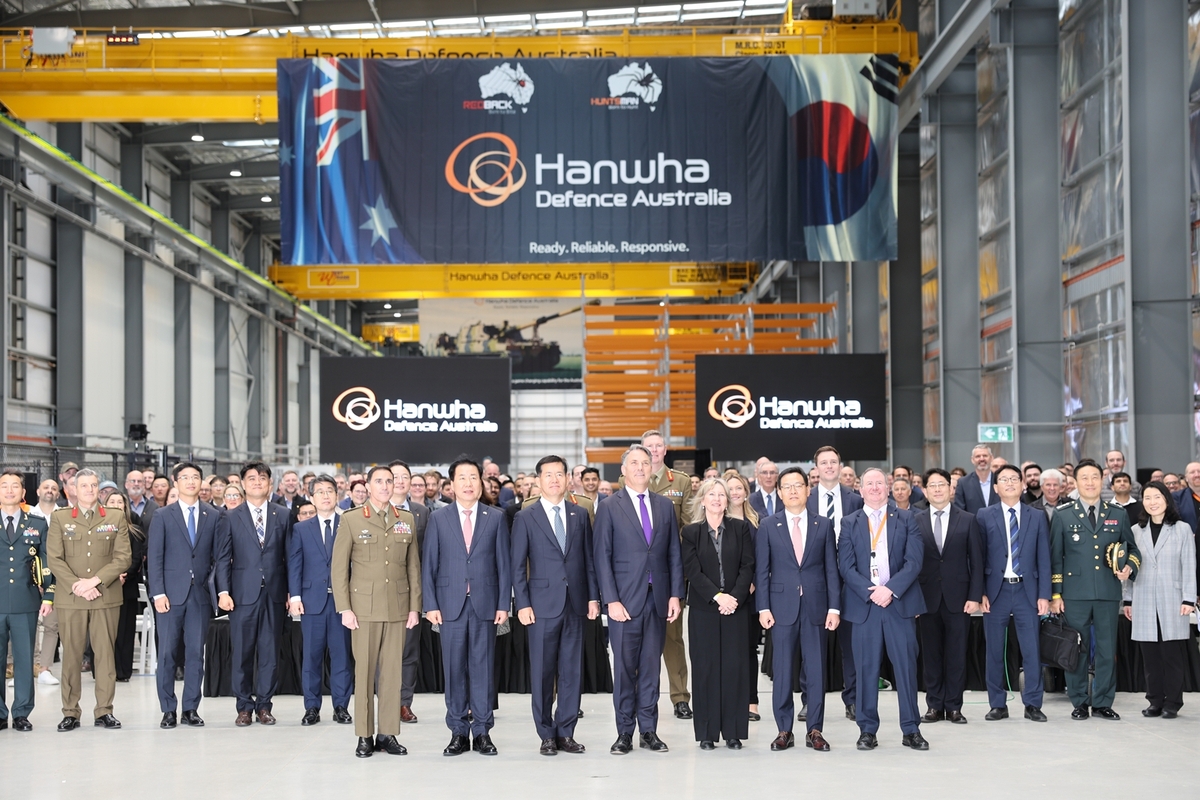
1160	602
130	583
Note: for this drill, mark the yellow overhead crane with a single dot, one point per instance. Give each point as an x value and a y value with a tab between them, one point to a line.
233	79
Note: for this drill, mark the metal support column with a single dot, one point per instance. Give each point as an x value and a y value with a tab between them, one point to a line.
835	285
254	413
221	383
181	202
220	228
1031	26
953	110
864	312
304	398
183	362
135	334
1156	210
904	308
68	258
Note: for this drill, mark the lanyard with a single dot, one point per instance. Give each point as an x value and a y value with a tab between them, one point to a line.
876	532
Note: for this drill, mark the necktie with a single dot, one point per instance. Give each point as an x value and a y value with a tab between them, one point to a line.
328	533
467	529
560	532
8	528
647	530
192	525
881	565
769	504
829	504
1092	515
259	528
937	529
1013	529
798	541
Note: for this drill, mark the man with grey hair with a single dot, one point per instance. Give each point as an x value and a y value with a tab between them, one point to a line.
640	572
1054	485
140	502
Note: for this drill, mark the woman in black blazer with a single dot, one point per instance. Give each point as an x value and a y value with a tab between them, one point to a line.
718	562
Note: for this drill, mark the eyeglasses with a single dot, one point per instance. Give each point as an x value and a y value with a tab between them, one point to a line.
938	485
791	487
1010	479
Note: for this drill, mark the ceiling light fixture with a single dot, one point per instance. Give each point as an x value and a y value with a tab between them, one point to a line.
235	173
266	198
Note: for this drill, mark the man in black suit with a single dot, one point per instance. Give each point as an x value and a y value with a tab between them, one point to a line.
800	599
179	559
831	499
952	581
764	499
554	579
291	494
640	572
401	501
976	491
252	584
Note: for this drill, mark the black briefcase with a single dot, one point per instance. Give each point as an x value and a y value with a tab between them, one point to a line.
1062	646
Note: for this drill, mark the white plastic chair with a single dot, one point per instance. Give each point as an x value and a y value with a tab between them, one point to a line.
147	658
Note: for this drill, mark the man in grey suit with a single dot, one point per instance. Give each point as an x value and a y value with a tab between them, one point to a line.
466	573
401	501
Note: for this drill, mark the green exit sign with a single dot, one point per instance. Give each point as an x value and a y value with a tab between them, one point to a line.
991	432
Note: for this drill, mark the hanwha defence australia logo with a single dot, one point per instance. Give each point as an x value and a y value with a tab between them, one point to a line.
359	411
732	405
492	175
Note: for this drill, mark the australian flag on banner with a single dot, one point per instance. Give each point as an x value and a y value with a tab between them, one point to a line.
336	208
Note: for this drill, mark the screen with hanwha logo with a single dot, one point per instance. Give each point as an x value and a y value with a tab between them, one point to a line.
786	406
428	410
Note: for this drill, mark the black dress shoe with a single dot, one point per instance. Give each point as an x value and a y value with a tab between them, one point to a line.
4	724
22	724
341	716
192	719
707	745
108	722
683	711
956	717
549	747
579	714
755	716
995	714
366	747
311	717
458	745
867	741
1080	712
483	745
733	744
389	745
933	715
1105	712
651	742
1152	711
569	745
850	712
802	714
1167	714
915	740
816	741
622	746
68	724
169	720
783	741
1034	714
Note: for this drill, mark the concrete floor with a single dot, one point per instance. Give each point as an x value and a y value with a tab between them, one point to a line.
1061	758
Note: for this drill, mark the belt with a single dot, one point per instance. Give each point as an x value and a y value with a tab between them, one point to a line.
1013	580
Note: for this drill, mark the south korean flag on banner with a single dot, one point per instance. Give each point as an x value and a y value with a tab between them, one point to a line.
843	116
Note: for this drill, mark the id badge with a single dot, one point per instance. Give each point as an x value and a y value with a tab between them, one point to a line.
874	572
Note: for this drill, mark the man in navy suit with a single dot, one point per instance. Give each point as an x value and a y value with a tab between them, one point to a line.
1187	500
466	573
880	557
833	500
952	582
640	572
1016	546
977	490
554	579
765	499
401	486
799	596
179	559
310	553
252	585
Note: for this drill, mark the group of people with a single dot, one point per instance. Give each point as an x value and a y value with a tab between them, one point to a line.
895	562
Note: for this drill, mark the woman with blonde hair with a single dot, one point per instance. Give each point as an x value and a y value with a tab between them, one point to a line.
740	508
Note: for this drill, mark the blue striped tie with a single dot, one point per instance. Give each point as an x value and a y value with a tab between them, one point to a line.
1013	529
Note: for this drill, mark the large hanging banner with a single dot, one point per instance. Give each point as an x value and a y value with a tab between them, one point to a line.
578	160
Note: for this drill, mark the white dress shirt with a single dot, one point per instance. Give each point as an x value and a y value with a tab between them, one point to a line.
637	506
985	487
881	549
1008	567
823	496
549	507
772	508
